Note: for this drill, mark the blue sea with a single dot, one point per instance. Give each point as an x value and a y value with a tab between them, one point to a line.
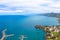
25	25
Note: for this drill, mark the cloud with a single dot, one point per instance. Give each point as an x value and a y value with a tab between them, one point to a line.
2	6
30	6
11	11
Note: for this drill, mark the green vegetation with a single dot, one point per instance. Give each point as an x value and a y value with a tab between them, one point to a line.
52	32
55	34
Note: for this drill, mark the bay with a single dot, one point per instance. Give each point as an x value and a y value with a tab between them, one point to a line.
24	25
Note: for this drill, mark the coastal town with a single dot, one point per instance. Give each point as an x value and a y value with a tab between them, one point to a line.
52	32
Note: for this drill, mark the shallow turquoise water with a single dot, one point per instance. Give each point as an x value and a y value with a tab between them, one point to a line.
24	25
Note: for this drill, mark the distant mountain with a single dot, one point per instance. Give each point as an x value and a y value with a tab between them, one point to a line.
52	15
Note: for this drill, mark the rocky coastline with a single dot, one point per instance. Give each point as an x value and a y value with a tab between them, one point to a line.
52	32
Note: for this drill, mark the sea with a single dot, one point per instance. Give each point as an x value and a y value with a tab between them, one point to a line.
25	25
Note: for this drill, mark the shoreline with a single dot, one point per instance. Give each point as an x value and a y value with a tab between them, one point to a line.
52	32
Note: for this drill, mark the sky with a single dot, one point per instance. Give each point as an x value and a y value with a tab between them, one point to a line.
29	6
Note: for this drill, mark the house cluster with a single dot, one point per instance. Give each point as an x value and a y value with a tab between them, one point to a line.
52	32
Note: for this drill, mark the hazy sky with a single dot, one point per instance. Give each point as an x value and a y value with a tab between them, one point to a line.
29	6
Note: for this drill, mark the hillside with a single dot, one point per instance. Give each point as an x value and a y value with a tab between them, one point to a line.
52	15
